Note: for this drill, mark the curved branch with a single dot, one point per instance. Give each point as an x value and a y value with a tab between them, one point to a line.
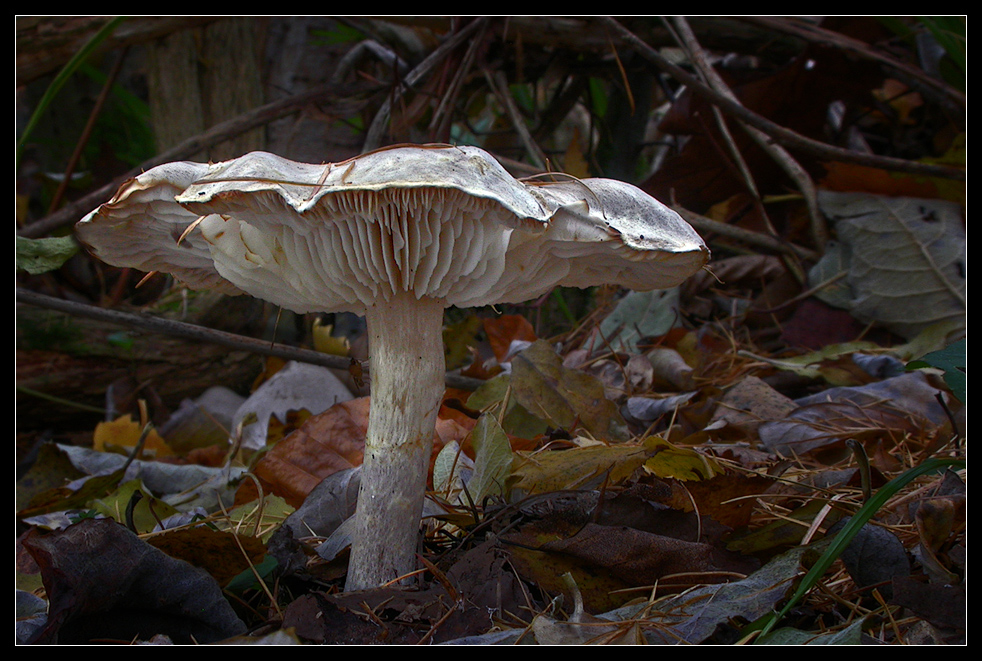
776	152
785	136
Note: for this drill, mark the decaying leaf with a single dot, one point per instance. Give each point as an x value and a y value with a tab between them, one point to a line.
295	387
577	468
668	460
223	554
750	402
695	615
886	410
103	583
326	443
505	331
564	397
903	260
641	558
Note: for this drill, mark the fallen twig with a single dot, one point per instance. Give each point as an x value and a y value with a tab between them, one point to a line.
210	335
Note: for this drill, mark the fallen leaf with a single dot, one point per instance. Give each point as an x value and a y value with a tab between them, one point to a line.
668	460
693	616
492	461
577	468
224	555
504	331
671	369
885	411
782	533
326	443
942	605
325	342
145	511
295	387
599	588
72	497
751	401
564	397
637	316
641	558
724	497
902	260
104	583
516	419
874	557
123	433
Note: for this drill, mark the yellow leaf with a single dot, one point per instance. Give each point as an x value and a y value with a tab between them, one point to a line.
145	513
667	460
124	433
576	468
574	162
325	342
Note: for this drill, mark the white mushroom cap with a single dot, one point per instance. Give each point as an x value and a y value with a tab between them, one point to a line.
602	231
140	227
442	222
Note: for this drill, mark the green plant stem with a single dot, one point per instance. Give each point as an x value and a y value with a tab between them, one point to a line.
59	400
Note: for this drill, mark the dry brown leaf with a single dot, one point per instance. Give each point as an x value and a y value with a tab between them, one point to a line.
750	402
725	498
326	443
642	558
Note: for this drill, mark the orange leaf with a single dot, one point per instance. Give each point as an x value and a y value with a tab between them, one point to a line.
503	330
326	443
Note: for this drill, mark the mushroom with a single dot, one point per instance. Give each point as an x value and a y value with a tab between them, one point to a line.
396	235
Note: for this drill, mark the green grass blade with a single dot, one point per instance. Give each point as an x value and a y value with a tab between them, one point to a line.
63	76
849	531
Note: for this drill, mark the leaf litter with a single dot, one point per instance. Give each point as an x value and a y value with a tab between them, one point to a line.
746	458
593	525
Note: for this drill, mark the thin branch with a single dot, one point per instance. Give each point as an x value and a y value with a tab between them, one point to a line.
345	99
499	87
443	115
197	333
87	131
783	135
787	162
765	242
380	122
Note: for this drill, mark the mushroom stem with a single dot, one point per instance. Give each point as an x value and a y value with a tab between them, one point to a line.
407	369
